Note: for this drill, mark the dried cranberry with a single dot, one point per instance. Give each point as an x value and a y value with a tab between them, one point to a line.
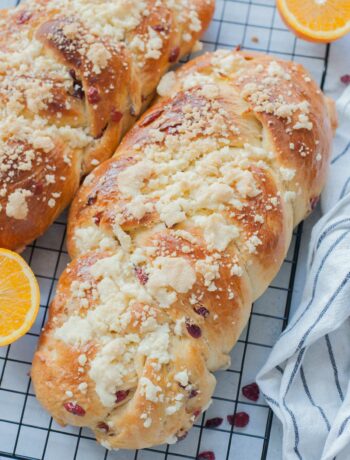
151	117
240	419
194	330
116	116
251	391
93	95
208	455
202	311
182	436
101	132
174	54
158	28
197	412
213	422
121	395
38	188
103	427
91	200
97	218
313	202
24	17
345	79
170	128
141	275
78	90
193	394
74	409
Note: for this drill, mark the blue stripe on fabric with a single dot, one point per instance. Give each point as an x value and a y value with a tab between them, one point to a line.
271	400
308	394
344	189
341	154
329	230
334	365
290	412
324	311
330	250
342	426
296	431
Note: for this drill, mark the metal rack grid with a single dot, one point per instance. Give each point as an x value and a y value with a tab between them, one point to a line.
28	432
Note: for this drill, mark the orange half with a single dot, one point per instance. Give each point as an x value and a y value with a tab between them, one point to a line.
19	297
316	20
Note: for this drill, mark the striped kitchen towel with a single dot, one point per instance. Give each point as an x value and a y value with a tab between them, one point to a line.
306	378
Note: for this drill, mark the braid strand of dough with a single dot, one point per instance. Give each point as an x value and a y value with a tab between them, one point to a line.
74	76
173	239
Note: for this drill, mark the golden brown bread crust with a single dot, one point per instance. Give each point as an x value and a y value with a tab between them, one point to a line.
173	238
74	76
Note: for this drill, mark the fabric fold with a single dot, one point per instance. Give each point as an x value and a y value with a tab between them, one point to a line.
306	378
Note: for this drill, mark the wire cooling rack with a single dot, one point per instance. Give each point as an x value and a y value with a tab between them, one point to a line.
28	432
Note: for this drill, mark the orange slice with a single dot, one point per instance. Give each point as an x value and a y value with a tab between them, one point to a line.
316	20
19	297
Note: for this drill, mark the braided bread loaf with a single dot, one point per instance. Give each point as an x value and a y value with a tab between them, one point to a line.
173	239
74	76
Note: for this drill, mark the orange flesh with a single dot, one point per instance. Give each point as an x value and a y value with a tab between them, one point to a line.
331	18
19	297
328	16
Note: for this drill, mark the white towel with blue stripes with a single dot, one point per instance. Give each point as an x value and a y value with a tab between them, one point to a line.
306	379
